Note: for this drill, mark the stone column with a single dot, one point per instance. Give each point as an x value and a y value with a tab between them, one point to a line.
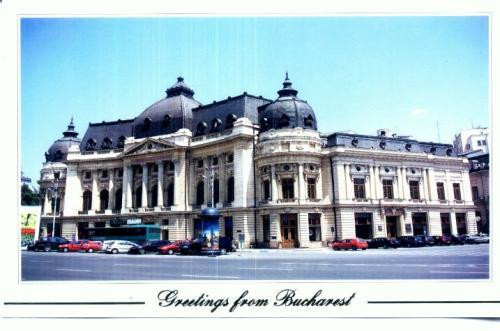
95	191
340	182
404	183
371	191
319	184
378	184
466	187
111	189
296	187
180	182
159	194
222	178
424	185
274	184
399	178
449	187
301	184
453	223
349	186
144	200
129	176
432	184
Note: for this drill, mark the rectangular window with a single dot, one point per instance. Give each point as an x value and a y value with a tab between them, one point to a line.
267	193
287	188
311	188
440	191
359	188
388	189
456	191
104	174
479	142
475	193
165	222
87	174
314	227
484	142
414	189
120	173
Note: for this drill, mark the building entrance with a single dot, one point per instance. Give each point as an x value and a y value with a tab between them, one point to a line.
445	224
364	226
392	226
289	230
419	221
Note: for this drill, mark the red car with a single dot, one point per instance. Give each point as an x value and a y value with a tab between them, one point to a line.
353	244
170	248
81	245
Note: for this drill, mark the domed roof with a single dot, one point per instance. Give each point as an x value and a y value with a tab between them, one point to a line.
287	111
59	149
169	114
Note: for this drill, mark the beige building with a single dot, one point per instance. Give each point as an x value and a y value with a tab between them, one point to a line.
277	181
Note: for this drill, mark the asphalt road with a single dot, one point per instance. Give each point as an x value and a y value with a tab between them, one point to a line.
453	262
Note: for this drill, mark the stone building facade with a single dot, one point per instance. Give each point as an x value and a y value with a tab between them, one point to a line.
277	181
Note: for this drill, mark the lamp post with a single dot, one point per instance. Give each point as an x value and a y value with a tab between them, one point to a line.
53	190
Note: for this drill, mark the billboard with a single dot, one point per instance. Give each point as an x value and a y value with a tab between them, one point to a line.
30	223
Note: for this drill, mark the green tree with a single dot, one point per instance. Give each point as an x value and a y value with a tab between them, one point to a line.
29	197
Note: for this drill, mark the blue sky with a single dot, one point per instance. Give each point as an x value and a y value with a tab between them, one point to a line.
358	73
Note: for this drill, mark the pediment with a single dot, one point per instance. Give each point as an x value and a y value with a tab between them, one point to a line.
149	146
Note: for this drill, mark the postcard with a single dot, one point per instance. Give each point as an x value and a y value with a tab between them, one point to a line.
176	163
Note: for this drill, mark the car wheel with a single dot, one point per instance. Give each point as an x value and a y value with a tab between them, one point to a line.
223	251
385	246
354	248
170	252
141	251
65	250
114	251
408	245
90	250
335	248
46	249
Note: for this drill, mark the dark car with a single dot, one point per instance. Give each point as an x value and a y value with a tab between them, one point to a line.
198	247
468	239
427	240
383	242
410	241
149	247
48	244
456	240
442	240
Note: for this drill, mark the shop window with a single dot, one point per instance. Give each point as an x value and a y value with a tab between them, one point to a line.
359	188
388	189
414	189
287	188
314	227
440	191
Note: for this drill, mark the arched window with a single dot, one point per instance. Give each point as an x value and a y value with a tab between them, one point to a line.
166	121
104	197
200	193
138	197
121	142
230	119
309	121
200	129
154	197
55	203
118	199
284	121
216	125
230	189
264	123
170	194
106	143
147	124
216	191
87	200
90	145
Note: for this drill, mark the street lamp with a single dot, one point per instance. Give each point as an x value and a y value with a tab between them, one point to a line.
53	191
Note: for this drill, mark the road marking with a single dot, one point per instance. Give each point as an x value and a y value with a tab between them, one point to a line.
133	265
40	261
266	268
77	270
309	263
208	276
459	272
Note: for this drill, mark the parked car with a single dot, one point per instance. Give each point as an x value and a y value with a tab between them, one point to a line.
427	240
483	238
198	246
442	240
455	240
48	244
72	246
119	246
410	241
173	247
149	247
91	246
353	244
474	239
383	242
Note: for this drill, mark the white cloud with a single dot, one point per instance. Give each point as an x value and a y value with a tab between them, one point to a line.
418	112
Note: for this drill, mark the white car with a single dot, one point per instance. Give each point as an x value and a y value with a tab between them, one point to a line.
118	246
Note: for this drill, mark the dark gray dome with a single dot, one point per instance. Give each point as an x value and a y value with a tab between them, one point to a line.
59	149
167	115
287	111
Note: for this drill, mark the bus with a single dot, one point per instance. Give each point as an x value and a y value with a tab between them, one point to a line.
138	234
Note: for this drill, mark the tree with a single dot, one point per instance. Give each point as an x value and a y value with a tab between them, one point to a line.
29	197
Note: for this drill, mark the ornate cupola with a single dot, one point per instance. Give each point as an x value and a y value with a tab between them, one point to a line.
58	151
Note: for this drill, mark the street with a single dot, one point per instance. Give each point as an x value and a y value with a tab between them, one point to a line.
449	262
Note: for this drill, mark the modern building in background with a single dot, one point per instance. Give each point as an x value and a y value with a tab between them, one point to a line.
474	144
275	179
